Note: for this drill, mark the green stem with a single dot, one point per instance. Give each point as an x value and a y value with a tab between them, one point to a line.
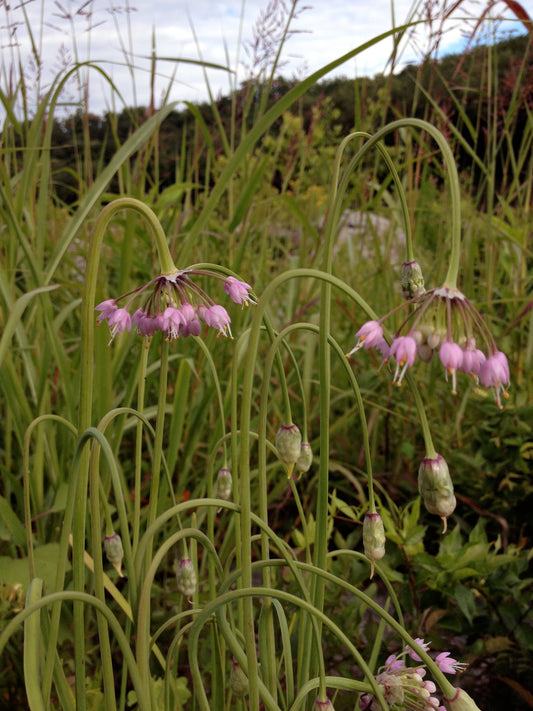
85	410
139	445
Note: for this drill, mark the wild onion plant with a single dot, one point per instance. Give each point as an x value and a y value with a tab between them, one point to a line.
190	428
250	610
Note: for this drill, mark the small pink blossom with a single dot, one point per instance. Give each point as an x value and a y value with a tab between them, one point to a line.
148	325
413	654
217	317
106	308
393	663
451	357
403	350
369	335
191	324
173	321
119	321
494	373
447	664
473	359
238	291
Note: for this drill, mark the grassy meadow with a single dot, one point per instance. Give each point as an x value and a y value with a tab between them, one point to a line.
213	495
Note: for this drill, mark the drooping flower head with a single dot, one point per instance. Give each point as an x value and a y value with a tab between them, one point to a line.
442	321
405	687
175	305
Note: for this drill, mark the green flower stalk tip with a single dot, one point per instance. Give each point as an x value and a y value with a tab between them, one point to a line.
436	488
461	702
323	705
224	484
114	551
373	539
238	680
412	280
289	446
186	577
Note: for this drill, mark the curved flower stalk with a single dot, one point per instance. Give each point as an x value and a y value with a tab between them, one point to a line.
443	322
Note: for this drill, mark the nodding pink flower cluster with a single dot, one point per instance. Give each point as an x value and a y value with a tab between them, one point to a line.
404	687
176	306
442	321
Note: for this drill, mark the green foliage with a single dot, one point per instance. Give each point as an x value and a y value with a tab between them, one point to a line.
246	182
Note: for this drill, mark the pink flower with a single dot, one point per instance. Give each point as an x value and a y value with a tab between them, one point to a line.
448	665
393	663
174	304
451	357
370	334
473	359
106	308
413	654
119	321
191	324
403	350
148	325
217	317
238	291
173	321
494	373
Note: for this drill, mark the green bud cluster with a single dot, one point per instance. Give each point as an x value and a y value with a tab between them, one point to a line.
436	487
186	577
289	445
373	538
114	551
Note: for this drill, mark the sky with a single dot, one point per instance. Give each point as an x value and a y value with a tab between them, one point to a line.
217	31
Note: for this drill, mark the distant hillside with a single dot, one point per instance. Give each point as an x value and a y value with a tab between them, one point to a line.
466	95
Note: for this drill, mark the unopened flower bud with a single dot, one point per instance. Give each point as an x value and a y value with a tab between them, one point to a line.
373	539
238	680
412	280
304	461
436	487
323	705
114	551
289	446
186	577
461	702
224	484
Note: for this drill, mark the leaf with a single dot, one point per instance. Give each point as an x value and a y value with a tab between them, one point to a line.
466	602
10	526
17	570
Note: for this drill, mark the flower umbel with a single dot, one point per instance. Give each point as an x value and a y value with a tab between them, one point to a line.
175	305
442	321
404	687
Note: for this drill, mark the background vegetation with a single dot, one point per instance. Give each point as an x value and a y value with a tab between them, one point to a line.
470	591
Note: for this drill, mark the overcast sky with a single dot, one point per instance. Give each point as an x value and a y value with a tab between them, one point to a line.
323	31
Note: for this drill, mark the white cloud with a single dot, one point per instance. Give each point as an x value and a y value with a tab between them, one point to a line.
326	31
